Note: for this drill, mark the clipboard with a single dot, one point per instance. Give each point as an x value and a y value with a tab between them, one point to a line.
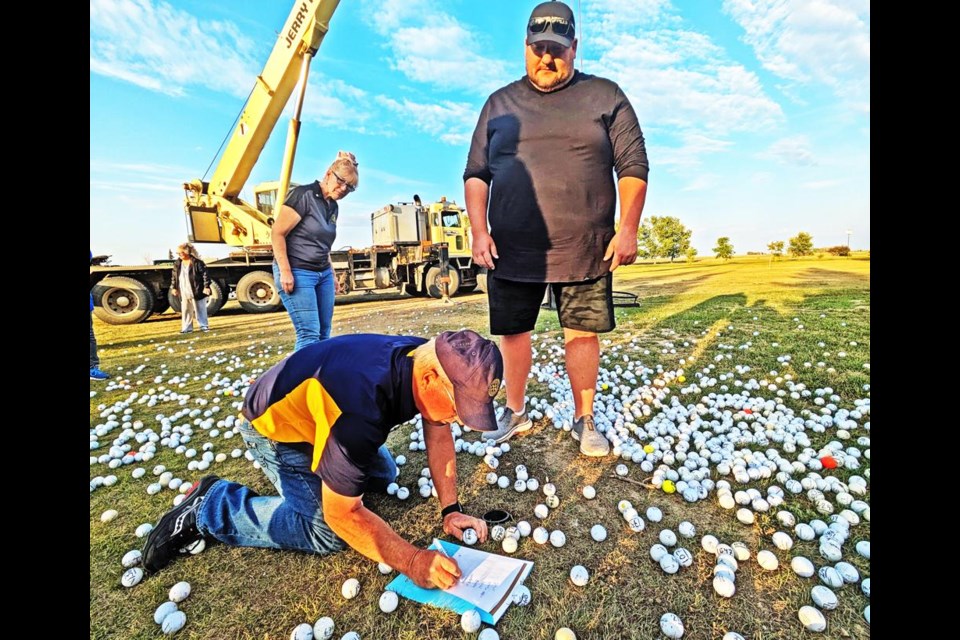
487	584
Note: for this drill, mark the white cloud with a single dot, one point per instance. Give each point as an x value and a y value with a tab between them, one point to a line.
451	122
429	45
158	47
804	41
792	150
678	80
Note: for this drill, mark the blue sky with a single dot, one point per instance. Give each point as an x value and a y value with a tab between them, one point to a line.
756	112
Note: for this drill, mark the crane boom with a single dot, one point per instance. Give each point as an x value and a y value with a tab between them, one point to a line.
215	213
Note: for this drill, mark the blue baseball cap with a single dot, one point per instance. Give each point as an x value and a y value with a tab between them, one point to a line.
475	367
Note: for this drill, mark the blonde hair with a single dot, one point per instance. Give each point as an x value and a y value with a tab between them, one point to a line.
345	166
190	249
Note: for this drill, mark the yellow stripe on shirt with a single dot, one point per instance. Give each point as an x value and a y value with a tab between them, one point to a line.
306	414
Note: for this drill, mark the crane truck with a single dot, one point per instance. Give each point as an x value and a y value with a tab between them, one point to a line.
413	244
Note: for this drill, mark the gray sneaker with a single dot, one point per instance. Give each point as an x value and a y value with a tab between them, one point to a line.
592	442
508	424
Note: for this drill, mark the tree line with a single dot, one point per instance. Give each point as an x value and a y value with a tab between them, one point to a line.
666	237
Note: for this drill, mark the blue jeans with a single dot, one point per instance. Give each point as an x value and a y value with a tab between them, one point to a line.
310	305
236	515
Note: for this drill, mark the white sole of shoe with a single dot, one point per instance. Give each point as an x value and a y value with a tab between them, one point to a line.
520	428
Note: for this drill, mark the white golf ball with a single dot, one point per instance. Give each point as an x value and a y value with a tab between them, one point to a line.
179	592
709	543
131	577
541	535
830	577
824	597
669	564
509	544
497	532
323	628
812	619
109	515
564	633
524	528
384	568
684	557
470	621
654	515
767	560
802	567
131	558
782	541
623	505
558	538
520	596
144	529
469	537
589	492
350	588
541	511
489	634
671	625
302	631
657	551
163	611
668	538
686	529
621	470
389	601
403	493
173	622
724	585
598	532
579	575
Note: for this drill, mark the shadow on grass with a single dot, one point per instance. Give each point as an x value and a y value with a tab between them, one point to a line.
818	277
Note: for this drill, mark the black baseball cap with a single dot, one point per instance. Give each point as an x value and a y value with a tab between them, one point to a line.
553	22
475	367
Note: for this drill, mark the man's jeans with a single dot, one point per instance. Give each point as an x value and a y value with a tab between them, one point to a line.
94	358
310	305
236	515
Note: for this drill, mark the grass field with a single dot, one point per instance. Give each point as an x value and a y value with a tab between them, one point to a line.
816	311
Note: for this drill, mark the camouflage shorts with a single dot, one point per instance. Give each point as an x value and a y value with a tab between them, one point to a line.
584	306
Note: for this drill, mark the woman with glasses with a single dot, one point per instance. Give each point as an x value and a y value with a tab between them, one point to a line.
302	235
192	284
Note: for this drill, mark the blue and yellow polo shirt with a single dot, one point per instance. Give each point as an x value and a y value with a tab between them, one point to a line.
342	395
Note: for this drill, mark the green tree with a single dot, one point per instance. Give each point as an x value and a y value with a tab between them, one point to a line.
801	244
691	254
723	249
663	237
776	248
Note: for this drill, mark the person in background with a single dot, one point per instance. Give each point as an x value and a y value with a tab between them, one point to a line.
192	284
302	235
95	372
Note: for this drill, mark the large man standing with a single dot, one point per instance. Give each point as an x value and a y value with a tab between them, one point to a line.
316	422
542	157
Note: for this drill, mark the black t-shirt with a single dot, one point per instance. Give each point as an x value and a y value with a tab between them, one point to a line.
549	159
308	243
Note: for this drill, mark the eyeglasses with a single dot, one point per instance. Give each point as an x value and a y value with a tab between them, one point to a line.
452	401
559	26
343	183
555	49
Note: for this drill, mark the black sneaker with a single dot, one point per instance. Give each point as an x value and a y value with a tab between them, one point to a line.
177	528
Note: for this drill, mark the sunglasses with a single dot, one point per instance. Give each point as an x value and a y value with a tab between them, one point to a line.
559	26
555	49
343	183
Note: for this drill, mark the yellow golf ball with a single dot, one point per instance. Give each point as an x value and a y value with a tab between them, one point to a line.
668	486
648	448
681	378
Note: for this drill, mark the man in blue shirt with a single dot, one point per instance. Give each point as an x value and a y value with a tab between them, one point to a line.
317	422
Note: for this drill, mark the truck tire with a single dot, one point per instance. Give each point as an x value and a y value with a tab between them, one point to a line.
160	302
411	289
215	300
482	282
122	300
433	287
257	293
